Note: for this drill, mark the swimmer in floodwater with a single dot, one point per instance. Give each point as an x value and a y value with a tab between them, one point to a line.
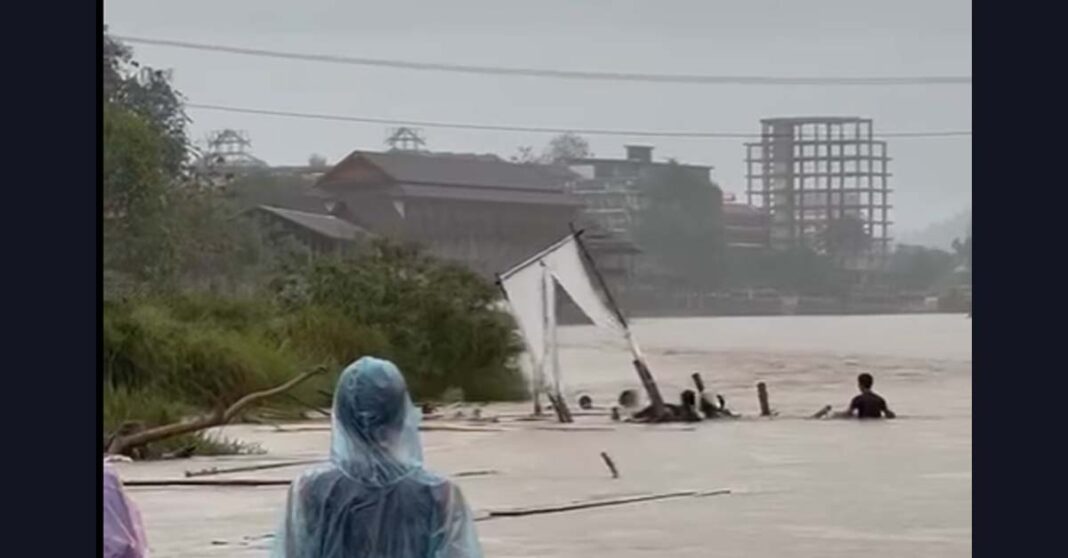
585	403
713	410
868	404
685	411
688	408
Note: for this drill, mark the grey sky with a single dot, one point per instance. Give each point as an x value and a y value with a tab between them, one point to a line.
932	176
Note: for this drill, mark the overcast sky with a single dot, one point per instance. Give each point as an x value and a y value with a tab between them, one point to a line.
932	176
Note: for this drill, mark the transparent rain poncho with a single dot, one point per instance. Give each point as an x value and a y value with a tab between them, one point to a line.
374	499
124	537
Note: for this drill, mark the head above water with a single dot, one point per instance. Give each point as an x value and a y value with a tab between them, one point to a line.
865	381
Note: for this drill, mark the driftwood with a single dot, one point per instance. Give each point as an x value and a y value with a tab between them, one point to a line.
458	428
218	418
611	465
822	413
485	473
216	471
252	482
570	428
536	510
207	482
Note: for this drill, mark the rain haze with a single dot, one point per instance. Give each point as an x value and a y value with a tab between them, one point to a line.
600	350
826	38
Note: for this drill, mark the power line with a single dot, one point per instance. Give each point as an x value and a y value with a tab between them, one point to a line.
532	129
560	74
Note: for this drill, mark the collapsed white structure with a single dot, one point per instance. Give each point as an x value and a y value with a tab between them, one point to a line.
530	288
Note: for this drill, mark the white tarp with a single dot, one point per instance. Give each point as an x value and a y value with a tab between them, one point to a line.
565	263
552	354
531	288
524	289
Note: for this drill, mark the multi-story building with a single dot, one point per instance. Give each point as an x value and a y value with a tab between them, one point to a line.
610	188
822	182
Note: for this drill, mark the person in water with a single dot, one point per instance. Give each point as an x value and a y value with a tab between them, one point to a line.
374	498
867	404
124	535
711	410
685	411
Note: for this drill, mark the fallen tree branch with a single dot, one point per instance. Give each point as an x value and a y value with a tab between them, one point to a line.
218	418
310	407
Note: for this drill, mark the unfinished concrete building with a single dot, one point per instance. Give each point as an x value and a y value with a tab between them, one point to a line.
823	183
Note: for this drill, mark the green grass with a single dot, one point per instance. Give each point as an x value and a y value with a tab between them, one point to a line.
169	356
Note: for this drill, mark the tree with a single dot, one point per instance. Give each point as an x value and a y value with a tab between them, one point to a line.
525	155
566	147
317	161
680	225
441	321
843	238
137	228
162	226
918	268
147	92
963	250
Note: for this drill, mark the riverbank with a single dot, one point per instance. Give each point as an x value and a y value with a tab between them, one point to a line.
799	488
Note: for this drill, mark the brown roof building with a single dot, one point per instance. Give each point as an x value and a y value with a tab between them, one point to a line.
478	210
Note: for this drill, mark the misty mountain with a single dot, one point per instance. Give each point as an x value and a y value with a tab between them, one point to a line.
940	234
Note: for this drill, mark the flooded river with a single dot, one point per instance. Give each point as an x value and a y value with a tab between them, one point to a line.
799	487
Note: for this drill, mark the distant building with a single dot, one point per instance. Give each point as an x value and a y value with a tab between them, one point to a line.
478	210
227	155
322	233
610	188
745	226
823	179
611	195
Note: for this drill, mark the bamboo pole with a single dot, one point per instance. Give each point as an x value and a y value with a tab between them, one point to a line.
217	471
537	510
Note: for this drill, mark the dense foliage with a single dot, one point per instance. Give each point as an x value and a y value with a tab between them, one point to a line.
205	304
680	225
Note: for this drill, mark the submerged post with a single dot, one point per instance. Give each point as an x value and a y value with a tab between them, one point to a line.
644	374
762	395
611	465
698	382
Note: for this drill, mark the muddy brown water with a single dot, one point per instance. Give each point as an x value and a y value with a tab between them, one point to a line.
798	487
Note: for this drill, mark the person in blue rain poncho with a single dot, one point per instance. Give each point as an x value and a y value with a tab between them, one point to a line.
374	499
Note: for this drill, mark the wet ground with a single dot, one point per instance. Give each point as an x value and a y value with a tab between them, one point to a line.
798	487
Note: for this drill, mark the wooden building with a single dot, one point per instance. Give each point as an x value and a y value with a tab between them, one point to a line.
320	232
481	211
